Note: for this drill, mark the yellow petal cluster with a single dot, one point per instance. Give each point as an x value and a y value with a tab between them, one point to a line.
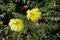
16	25
34	14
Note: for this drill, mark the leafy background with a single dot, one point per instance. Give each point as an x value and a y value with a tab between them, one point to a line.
49	25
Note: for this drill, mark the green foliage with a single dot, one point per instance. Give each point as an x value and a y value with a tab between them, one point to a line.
49	25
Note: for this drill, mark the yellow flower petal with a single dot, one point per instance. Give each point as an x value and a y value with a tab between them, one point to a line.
34	14
16	25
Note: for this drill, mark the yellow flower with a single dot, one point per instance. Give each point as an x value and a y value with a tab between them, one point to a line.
16	25
34	14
